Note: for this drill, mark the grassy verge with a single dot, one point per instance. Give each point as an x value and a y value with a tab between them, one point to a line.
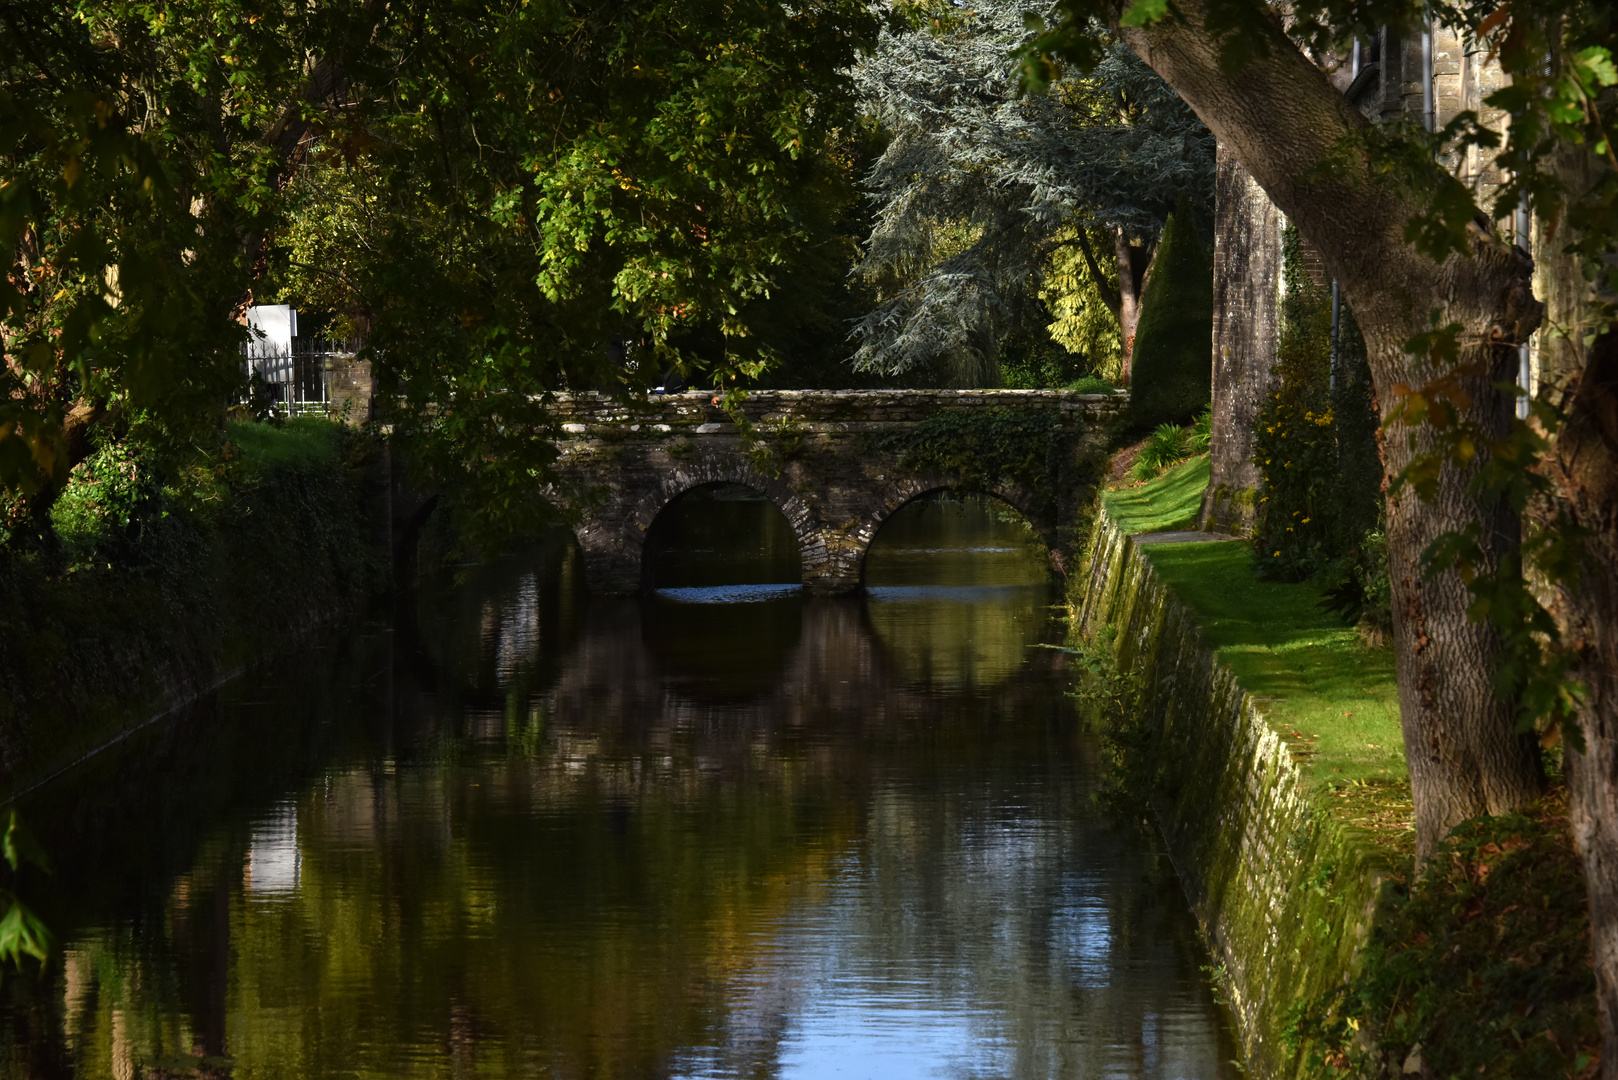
1479	965
1169	502
1332	697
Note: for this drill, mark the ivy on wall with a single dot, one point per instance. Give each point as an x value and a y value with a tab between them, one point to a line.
985	448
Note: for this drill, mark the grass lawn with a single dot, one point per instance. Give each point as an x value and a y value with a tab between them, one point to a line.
1169	502
302	440
1328	694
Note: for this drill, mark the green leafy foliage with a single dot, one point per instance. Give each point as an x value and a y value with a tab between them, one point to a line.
1091	384
1082	322
984	199
568	197
1032	361
983	447
1111	700
1320	499
1479	967
21	931
531	198
1171	444
170	580
132	177
109	500
1172	371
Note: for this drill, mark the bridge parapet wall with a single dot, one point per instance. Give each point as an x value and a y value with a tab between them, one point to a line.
836	409
828	459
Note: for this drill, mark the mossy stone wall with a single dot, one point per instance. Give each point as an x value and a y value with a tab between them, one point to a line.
1283	891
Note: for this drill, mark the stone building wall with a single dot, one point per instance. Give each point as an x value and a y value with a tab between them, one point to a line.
1247	299
1248	286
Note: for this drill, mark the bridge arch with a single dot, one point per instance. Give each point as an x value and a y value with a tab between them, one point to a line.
837	464
612	535
904	493
673	527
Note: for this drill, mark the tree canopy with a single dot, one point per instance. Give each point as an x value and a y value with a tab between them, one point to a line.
980	185
509	200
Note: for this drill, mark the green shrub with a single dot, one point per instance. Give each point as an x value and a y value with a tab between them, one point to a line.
1091	384
1029	360
1479	967
1319	502
1111	702
174	575
1169	445
1173	360
111	499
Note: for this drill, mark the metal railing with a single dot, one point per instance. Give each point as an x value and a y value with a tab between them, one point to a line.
296	379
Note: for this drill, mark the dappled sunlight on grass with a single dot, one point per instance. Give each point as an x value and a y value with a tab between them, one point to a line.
1169	502
1332	697
301	440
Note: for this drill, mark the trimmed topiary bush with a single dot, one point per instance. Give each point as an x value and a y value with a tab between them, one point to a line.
1172	376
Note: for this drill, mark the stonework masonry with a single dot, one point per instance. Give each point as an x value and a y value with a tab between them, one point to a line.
1247	302
1284	890
1247	245
827	459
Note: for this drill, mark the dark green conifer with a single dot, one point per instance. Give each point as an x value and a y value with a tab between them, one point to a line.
1172	372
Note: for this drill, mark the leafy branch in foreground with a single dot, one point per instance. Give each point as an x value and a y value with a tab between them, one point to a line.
1535	661
21	931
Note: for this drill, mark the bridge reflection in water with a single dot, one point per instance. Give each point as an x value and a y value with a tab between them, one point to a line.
713	832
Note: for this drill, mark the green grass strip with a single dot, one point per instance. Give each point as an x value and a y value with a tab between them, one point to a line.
1315	681
303	440
1169	502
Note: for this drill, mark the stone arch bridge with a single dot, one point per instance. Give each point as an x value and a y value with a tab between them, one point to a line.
836	464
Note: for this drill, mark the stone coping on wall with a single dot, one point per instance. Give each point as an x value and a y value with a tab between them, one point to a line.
701	412
1283	888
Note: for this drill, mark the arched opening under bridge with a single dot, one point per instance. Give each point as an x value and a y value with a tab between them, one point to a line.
725	577
959	590
720	535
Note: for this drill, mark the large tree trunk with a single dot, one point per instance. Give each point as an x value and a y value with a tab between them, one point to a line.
1583	467
1284	122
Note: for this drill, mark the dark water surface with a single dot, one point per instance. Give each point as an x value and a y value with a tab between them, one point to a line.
727	830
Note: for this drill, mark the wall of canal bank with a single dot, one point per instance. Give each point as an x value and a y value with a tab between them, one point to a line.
1282	888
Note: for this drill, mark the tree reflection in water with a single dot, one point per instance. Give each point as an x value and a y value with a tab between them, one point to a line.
534	834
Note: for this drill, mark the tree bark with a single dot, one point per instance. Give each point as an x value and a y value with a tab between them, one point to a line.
1289	127
1584	466
1583	469
1134	261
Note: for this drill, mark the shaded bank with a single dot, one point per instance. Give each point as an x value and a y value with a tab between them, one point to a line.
242	556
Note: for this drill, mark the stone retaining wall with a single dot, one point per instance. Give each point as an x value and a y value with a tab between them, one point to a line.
1283	891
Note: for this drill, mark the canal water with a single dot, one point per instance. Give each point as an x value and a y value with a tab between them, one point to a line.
725	830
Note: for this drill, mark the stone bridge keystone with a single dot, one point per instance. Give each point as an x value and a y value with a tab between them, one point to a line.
836	463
